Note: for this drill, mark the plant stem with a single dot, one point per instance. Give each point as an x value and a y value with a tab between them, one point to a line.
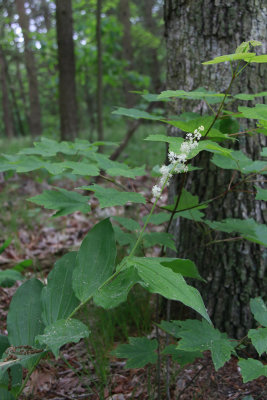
29	375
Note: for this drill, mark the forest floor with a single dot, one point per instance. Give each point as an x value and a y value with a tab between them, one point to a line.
77	374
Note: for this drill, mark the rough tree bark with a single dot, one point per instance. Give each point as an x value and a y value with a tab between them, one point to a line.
196	32
35	109
66	65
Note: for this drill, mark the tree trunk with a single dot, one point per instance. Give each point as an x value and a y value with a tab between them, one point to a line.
35	109
152	53
100	135
7	116
197	32
127	51
66	64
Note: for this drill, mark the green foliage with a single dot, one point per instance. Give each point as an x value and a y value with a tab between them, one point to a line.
63	200
62	332
182	357
95	260
252	369
259	310
140	352
109	197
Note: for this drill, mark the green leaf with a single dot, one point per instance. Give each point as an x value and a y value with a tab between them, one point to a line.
64	201
264	152
116	291
139	352
240	162
62	332
6	395
257	112
127	223
198	94
244	47
260	59
124	238
109	197
259	339
9	276
162	280
124	170
58	298
95	260
24	320
158	219
187	200
4	344
5	245
135	113
81	168
261	193
249	229
259	310
200	336
11	380
158	238
187	268
251	369
180	356
231	57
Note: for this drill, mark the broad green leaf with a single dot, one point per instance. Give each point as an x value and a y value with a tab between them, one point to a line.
11	380
5	245
200	336
261	193
251	369
257	112
127	223
58	298
162	280
240	162
95	260
176	141
259	310
249	229
158	219
139	352
180	356
24	320
187	200
260	59
124	170
25	360
187	268
116	291
197	94
264	152
5	394
259	339
158	238
4	344
231	57
244	47
9	276
62	332
135	113
124	238
65	201
81	168
109	197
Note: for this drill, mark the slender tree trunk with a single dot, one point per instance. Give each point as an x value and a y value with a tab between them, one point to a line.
7	115
35	109
152	54
195	32
127	50
66	64
100	134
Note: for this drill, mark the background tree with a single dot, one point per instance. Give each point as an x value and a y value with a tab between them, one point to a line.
66	65
35	109
235	270
99	73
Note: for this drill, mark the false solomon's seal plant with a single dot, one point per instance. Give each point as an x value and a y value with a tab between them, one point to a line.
43	318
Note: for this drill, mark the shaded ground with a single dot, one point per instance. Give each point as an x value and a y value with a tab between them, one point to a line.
77	376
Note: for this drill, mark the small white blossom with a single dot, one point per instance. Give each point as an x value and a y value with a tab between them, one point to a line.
156	190
181	158
201	128
185	168
164	169
172	156
185	147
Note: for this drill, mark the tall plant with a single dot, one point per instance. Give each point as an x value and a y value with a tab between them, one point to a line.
43	318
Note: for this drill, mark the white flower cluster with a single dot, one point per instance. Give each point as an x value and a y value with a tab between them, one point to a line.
177	161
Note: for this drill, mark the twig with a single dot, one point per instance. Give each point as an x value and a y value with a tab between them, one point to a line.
191	381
